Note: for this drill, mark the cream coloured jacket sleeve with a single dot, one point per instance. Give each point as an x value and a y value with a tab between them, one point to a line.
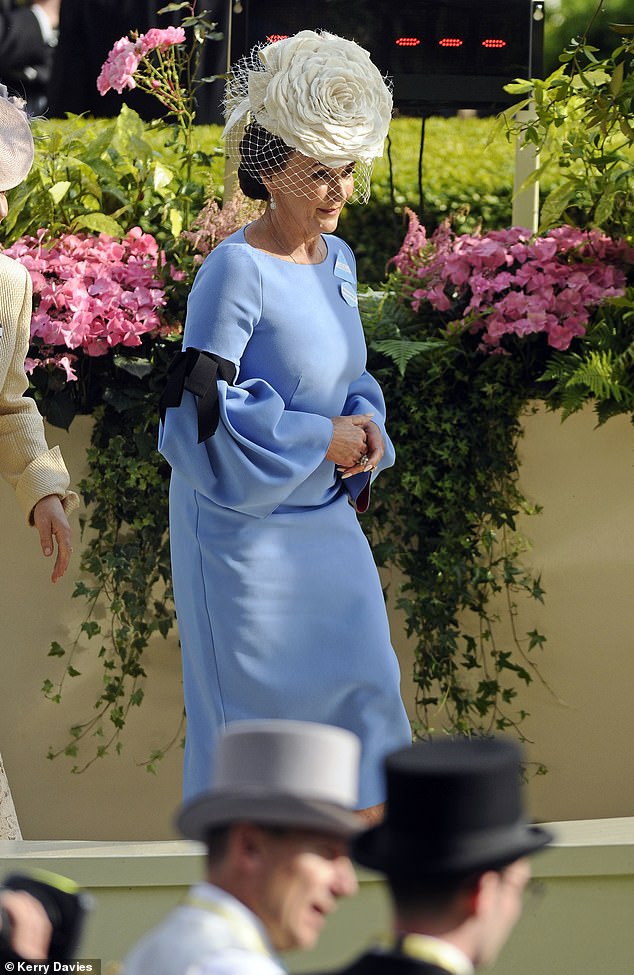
26	461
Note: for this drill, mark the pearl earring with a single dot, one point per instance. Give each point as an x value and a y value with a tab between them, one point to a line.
272	203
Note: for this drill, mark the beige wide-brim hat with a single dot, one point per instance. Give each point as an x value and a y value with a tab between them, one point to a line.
16	144
280	773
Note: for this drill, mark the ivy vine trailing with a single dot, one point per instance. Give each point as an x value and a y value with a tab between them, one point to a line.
126	556
446	517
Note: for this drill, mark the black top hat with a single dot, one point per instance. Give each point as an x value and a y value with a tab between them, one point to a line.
453	806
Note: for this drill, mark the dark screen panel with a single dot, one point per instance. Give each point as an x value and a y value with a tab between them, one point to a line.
439	52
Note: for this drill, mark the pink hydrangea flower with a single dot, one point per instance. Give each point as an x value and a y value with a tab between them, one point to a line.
510	283
91	293
63	362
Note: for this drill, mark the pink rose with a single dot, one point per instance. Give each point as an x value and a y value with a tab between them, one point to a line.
159	39
119	68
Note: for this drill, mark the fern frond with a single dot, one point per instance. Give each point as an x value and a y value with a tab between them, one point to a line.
561	368
400	351
598	374
571	399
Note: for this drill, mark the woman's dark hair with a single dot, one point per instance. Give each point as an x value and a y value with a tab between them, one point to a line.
260	154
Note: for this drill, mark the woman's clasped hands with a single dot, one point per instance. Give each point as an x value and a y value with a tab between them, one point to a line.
357	444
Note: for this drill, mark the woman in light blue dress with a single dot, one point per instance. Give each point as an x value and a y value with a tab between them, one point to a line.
274	430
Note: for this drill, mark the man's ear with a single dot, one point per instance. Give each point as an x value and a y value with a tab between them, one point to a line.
246	845
482	894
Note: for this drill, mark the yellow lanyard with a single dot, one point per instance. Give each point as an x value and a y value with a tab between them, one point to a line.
436	952
240	925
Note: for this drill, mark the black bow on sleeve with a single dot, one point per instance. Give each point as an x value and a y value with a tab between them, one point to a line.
197	371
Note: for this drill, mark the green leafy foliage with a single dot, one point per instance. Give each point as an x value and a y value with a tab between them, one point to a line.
446	516
107	176
578	18
584	126
601	370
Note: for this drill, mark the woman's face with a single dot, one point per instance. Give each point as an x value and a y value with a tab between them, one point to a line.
310	196
4	206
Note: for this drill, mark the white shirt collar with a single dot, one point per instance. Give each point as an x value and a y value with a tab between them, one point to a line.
209	897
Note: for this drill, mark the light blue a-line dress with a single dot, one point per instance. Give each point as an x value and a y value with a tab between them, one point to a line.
279	605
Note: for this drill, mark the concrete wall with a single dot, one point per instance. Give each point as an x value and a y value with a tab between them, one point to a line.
115	798
581	725
583	543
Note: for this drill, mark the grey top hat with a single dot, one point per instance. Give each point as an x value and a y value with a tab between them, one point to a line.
283	773
453	806
16	143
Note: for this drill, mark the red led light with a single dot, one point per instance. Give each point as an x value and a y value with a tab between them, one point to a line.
493	42
450	42
407	41
272	38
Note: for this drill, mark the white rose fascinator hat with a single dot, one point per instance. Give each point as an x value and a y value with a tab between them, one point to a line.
16	142
315	93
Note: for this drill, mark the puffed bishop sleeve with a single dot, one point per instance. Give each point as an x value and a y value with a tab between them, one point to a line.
198	372
261	451
26	462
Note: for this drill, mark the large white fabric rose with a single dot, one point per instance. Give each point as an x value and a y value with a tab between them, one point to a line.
322	96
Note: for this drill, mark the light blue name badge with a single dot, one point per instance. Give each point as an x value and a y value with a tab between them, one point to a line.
343	269
349	294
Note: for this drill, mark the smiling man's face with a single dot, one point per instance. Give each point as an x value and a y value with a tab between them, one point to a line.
302	875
